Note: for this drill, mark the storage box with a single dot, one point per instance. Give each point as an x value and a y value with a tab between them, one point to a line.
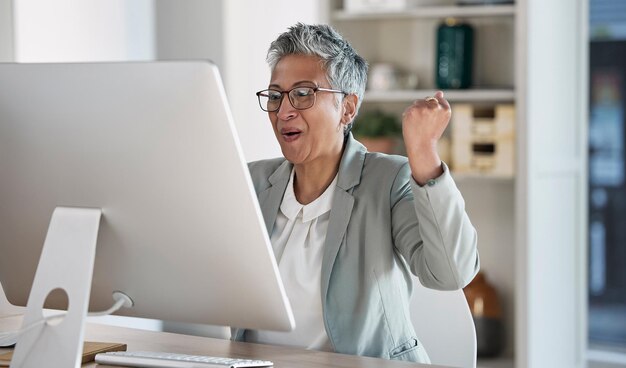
483	139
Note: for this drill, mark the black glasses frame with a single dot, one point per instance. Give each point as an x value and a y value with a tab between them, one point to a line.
289	97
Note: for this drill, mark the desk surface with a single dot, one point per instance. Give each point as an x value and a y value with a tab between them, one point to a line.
175	343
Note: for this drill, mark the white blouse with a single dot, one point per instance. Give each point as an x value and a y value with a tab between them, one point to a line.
298	238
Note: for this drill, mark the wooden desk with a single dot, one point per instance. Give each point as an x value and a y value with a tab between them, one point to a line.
282	357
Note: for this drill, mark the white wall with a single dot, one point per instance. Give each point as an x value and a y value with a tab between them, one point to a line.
6	30
250	28
83	30
192	30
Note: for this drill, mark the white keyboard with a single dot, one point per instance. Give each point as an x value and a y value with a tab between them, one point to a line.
155	359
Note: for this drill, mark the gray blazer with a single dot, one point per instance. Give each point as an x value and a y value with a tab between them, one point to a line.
383	226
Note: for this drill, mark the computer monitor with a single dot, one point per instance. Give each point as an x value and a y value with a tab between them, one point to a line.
154	146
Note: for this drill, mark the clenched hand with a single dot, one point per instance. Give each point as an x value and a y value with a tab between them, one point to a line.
423	123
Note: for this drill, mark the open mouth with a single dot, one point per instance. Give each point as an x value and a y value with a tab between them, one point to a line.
290	134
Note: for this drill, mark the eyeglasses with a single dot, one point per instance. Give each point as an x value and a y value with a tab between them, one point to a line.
301	98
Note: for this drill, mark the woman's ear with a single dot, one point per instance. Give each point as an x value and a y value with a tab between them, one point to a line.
349	108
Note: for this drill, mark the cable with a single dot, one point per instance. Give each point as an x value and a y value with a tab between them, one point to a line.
121	300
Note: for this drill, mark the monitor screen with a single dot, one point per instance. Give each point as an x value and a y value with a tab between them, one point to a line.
153	145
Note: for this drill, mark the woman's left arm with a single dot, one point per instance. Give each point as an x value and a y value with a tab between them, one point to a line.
430	226
433	232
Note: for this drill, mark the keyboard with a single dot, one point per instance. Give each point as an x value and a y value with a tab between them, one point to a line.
169	360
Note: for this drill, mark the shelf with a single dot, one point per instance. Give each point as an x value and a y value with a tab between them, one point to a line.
470	11
495	363
466	95
481	177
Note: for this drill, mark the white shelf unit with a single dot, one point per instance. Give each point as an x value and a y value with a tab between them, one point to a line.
407	39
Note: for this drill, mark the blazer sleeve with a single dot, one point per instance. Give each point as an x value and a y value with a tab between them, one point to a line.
433	232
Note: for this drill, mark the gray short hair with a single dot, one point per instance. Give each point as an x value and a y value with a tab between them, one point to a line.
345	69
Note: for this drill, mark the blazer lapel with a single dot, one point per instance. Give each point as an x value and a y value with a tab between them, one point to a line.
270	198
337	225
349	176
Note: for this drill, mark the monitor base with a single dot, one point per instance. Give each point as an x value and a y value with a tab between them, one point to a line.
66	263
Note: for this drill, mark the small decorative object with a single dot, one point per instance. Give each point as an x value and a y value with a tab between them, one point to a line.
386	77
487	313
360	6
383	77
377	130
455	43
483	139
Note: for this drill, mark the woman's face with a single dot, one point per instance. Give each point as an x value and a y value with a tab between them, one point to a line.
317	132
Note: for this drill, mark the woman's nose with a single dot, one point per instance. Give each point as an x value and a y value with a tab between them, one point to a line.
286	111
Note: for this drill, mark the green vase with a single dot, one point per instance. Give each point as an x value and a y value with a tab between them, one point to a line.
455	44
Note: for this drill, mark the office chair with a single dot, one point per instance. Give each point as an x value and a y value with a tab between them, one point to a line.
444	325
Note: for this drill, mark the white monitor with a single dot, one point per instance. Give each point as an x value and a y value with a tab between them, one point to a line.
153	145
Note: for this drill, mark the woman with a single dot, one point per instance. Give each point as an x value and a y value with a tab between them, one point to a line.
348	226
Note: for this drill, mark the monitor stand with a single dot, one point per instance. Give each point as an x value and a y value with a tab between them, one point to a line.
66	263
